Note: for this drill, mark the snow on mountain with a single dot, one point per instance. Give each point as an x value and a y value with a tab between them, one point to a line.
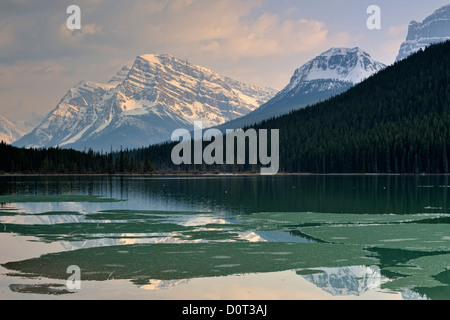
434	29
327	75
9	132
143	105
349	65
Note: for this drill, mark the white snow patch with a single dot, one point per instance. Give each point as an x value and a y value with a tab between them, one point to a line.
151	58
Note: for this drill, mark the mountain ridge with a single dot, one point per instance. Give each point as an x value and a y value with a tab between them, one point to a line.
395	122
9	131
433	29
143	105
329	74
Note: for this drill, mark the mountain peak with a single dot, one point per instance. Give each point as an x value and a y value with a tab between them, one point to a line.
342	50
434	29
164	60
343	64
143	105
156	58
443	10
9	132
330	73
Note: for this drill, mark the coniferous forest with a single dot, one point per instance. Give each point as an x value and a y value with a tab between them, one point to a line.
397	121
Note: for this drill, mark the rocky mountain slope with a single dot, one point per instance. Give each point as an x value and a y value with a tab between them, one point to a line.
9	132
143	105
327	75
434	29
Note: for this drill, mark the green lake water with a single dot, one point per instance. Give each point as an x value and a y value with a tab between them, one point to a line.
226	237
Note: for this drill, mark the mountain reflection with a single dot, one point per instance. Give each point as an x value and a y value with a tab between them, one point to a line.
347	281
159	232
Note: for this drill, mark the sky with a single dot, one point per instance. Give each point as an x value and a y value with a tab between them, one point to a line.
261	42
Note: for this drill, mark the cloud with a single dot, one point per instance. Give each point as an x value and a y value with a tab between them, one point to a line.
6	34
269	36
225	29
75	37
190	21
390	48
290	11
395	31
28	87
47	68
394	37
220	29
91	29
23	76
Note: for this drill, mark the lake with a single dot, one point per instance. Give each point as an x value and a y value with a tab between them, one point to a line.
225	237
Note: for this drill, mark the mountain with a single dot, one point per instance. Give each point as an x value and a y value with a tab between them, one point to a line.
434	29
327	75
394	122
9	132
143	105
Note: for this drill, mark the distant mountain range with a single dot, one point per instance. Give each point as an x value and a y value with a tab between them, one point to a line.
394	122
325	76
9	131
143	105
434	29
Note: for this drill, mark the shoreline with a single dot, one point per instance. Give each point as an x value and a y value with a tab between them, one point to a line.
205	174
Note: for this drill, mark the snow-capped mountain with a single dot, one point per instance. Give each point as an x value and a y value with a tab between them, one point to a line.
434	29
327	75
9	132
143	105
343	64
